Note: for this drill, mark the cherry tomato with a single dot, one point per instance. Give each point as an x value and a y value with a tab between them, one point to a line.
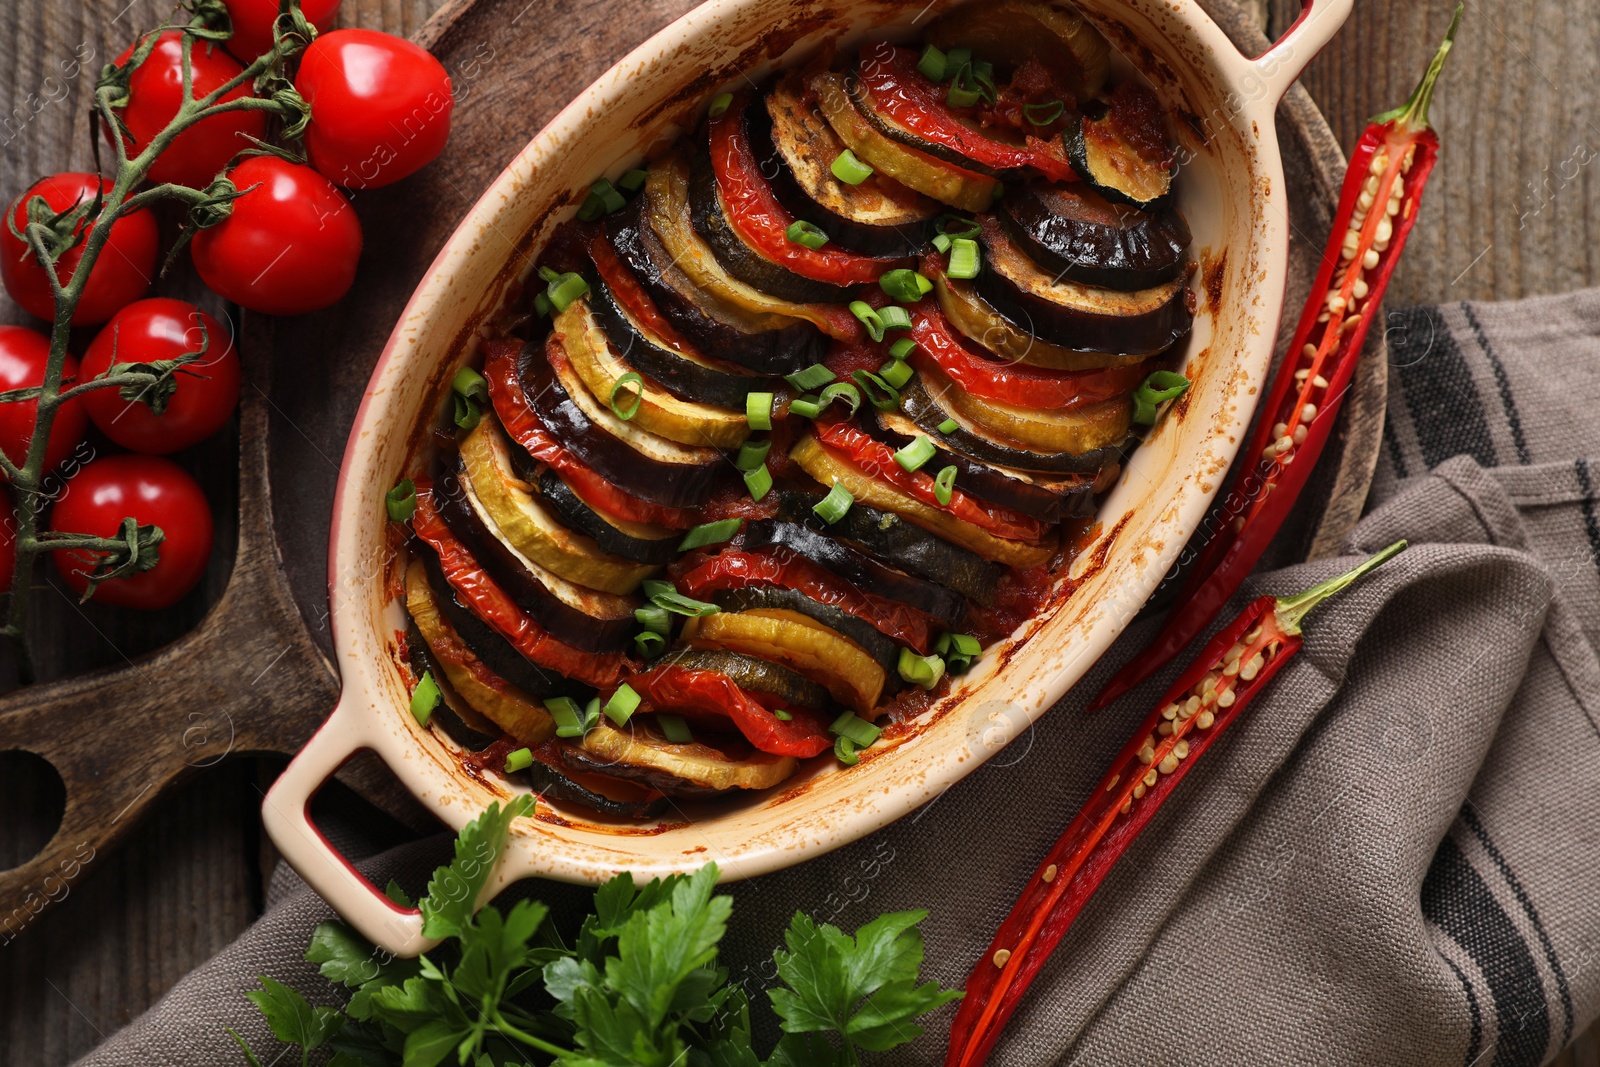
121	274
253	21
380	107
23	354
290	245
8	540
207	390
155	90
155	492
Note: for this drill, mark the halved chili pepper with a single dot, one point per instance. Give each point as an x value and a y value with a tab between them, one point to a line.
754	211
678	689
484	597
1227	675
1011	382
1378	207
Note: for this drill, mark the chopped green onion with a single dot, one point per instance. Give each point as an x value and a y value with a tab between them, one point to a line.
845	750
758	481
674	729
1155	390
469	383
603	199
944	484
541	305
905	284
841	391
1043	114
781	715
634	180
850	170
425	698
709	533
963	258
964	227
857	729
549	274
949	426
835	505
649	644
879	393
955	663
813	377
966	645
720	104
758	410
465	413
941	242
894	317
932	64
591	714
896	373
664	595
518	759
563	289
620	385
868	317
623	703
568	716
983	75
914	456
801	232
902	348
920	670
752	454
956	58
964	91
654	619
401	501
807	407
942	645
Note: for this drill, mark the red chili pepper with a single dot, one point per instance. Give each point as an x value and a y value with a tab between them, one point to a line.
484	597
674	688
872	457
754	211
1382	188
736	569
1035	388
1227	675
511	406
903	95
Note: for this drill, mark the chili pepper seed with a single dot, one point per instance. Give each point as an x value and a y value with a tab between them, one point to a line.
1002	956
1204	720
1225	699
1049	874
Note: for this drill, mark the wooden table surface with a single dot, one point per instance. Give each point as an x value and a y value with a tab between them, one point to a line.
1509	213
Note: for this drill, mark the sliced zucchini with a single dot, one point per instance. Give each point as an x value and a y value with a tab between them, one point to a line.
1075	232
929	412
1007	33
797	641
751	673
480	638
827	469
692	769
879	646
885	126
957	186
637	541
524	520
1074	431
464	725
1105	160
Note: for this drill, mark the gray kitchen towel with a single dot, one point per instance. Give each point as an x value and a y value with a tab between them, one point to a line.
1392	858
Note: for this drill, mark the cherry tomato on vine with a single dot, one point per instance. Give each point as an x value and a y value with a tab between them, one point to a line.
23	354
380	107
206	391
155	90
253	21
121	274
289	246
155	492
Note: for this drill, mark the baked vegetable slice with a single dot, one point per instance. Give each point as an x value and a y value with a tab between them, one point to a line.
799	642
1121	149
752	673
465	726
635	752
1077	233
880	647
637	541
1008	33
481	640
1073	431
930	411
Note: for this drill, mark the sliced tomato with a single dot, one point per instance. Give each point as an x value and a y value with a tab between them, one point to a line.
1025	386
484	597
904	96
632	295
516	415
846	357
674	688
755	213
876	459
739	569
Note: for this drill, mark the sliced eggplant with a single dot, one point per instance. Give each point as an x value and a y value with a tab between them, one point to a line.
761	343
957	186
908	546
1048	498
529	526
1008	33
584	618
1080	316
799	642
636	753
753	673
880	647
686	375
465	726
643	464
709	216
1074	430
563	783
480	638
658	411
1105	159
859	569
797	147
1077	233
928	414
887	127
637	541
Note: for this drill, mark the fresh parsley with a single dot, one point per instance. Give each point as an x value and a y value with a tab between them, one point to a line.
640	985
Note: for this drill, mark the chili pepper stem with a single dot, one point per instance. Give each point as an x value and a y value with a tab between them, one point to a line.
1412	116
1291	611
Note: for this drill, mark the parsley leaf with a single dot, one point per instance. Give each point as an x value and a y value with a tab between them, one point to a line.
453	892
294	1020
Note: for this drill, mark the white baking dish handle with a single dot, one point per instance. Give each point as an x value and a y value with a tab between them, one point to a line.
1269	75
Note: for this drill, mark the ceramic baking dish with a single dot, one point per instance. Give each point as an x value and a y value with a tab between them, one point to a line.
1231	191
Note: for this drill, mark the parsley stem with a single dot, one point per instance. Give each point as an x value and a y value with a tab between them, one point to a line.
504	1027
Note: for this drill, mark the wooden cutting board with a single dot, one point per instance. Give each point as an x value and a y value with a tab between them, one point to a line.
255	676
